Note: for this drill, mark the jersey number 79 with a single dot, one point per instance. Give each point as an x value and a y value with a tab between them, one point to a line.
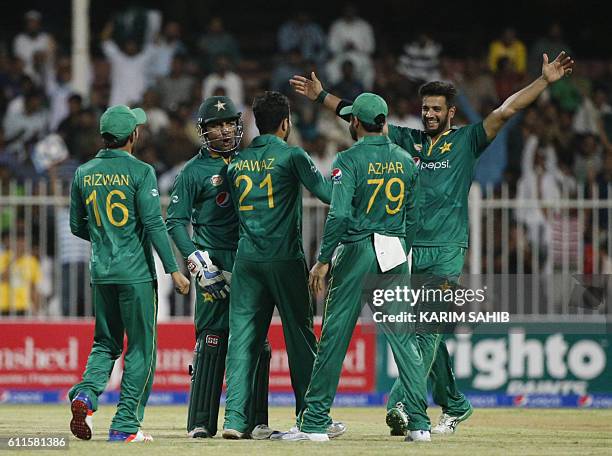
393	198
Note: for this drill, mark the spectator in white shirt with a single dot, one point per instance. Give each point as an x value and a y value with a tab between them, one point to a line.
58	85
351	33
31	41
166	48
351	38
222	77
130	68
24	128
420	61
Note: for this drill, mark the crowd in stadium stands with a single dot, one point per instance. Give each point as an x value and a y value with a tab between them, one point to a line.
561	146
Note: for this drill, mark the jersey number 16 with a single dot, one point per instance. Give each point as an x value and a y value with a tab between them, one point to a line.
110	206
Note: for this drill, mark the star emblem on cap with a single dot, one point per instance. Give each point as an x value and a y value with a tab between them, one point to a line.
446	147
220	106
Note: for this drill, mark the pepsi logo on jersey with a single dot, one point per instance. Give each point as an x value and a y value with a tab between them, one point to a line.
223	199
336	174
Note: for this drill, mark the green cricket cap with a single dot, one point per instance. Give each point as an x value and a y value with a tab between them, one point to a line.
120	121
367	107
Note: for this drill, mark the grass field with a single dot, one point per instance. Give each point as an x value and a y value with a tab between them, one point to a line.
489	431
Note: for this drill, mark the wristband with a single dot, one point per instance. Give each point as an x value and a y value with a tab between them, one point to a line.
321	97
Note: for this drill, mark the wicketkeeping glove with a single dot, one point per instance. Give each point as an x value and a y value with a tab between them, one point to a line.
210	278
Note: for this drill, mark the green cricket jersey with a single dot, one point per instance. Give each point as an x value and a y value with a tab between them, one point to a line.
265	183
446	170
375	190
115	204
200	197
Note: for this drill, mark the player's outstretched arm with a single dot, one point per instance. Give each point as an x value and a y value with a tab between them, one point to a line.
551	72
313	90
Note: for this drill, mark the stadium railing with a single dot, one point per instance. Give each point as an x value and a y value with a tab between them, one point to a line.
539	244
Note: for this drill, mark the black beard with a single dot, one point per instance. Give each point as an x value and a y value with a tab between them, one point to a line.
441	126
353	132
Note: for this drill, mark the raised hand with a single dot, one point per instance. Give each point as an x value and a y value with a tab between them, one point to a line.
310	88
555	70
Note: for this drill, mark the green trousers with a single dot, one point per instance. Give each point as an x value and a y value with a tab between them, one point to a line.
256	289
123	309
433	265
353	263
212	315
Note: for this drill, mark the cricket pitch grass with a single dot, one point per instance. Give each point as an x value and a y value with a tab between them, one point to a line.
488	432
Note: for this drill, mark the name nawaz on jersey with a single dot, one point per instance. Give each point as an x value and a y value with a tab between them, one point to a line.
255	165
442	317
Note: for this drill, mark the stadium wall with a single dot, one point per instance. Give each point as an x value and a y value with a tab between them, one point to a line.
39	361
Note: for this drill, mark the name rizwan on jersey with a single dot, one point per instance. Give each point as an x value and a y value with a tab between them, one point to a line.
99	179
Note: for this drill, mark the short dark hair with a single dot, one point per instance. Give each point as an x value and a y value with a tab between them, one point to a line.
372	128
439	89
111	142
270	109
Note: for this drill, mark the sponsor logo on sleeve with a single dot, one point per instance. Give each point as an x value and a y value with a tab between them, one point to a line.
336	174
223	199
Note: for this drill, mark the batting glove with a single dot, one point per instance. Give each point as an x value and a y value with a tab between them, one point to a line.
210	278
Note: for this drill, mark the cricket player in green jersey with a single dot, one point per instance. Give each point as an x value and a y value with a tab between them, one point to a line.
200	197
369	230
114	204
446	157
265	182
